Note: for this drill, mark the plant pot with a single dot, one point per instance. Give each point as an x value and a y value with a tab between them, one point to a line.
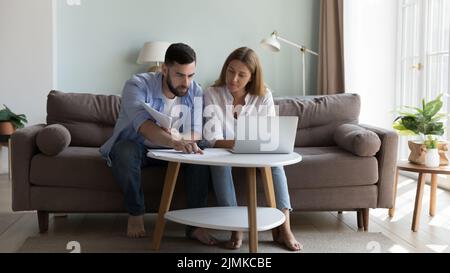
432	158
418	152
6	128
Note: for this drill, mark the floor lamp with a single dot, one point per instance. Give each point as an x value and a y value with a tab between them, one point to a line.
272	43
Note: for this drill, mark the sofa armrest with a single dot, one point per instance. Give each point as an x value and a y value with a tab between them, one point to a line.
23	148
387	161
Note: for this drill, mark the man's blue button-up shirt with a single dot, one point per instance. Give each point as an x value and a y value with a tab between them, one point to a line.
147	88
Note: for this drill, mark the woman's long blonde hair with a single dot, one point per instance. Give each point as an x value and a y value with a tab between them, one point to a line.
250	59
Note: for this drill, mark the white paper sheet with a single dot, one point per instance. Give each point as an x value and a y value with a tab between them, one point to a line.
207	153
164	120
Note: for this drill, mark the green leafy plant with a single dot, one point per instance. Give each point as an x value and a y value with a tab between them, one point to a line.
421	121
18	121
431	142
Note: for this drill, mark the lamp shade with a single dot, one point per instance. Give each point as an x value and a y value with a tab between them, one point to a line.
153	52
271	43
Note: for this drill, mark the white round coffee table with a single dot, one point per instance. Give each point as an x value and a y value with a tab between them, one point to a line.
251	219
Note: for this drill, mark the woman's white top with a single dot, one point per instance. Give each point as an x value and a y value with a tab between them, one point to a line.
219	112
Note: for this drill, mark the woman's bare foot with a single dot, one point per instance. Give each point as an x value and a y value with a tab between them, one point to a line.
287	238
202	235
235	241
136	226
284	235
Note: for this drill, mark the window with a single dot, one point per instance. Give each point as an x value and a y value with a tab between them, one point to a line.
424	54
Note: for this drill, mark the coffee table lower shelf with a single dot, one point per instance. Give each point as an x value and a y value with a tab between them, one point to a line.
227	218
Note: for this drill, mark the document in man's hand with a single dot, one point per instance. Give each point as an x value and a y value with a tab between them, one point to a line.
162	119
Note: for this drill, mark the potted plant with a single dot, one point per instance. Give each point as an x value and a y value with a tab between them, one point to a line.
425	122
432	154
9	121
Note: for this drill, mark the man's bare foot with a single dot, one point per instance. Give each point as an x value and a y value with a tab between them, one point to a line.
202	235
287	238
235	241
136	226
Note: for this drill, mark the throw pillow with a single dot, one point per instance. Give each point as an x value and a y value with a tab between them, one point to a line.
53	139
357	140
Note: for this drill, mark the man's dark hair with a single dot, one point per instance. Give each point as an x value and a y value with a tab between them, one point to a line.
179	53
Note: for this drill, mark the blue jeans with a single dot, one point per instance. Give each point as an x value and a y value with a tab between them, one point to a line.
129	157
222	181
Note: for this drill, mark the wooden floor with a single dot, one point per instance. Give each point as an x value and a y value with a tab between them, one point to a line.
433	235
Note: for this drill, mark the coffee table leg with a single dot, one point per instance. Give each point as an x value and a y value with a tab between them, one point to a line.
270	193
418	203
268	186
166	199
392	210
252	223
434	180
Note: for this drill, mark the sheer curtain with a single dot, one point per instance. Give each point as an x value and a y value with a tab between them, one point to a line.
371	57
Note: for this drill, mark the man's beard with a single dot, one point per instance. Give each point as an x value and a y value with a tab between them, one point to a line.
176	91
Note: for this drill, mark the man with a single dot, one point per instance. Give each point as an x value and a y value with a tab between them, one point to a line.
136	130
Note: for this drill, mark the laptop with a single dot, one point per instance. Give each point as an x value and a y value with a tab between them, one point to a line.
265	135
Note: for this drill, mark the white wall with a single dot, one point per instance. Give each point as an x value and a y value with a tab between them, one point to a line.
99	41
28	39
370	42
25	58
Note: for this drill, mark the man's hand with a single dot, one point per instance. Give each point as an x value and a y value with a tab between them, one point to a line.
166	130
187	147
168	138
180	144
173	133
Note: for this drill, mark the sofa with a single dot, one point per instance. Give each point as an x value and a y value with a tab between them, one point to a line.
77	179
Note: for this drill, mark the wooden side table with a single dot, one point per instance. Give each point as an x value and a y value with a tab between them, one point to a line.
7	144
422	170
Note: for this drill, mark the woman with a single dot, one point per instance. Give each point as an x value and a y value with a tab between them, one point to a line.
240	91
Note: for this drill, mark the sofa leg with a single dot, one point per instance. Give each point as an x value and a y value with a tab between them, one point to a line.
365	216
43	221
359	218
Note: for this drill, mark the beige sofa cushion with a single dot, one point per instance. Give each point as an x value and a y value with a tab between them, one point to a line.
89	118
329	167
357	140
83	167
319	116
53	139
